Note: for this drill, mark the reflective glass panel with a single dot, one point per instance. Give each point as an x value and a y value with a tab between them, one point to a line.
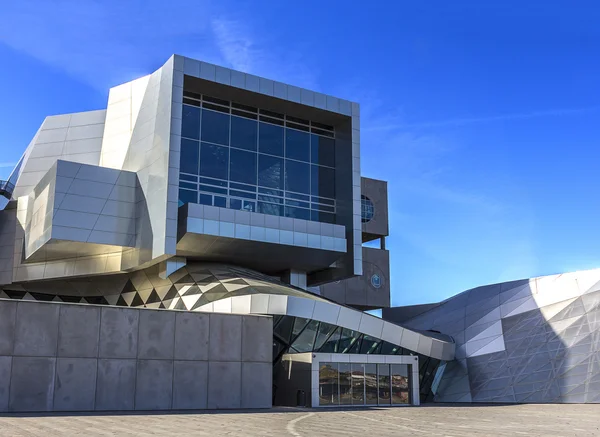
347	339
322	181
325	331
297	145
400	384
297	177
358	384
389	348
215	127
242	166
328	384
331	345
190	154
270	208
219	201
205	199
270	172
324	217
284	328
270	139
384	384
306	341
371	384
299	213
187	196
299	325
244	133
369	345
345	384
213	161
322	150
190	123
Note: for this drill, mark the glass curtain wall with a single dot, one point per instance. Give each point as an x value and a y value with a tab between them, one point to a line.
239	157
363	384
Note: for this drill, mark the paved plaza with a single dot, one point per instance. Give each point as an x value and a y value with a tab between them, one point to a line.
434	420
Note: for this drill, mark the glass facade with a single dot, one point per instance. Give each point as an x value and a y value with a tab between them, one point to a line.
239	157
367	209
296	335
364	384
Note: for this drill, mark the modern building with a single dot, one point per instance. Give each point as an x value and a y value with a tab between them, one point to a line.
534	340
195	245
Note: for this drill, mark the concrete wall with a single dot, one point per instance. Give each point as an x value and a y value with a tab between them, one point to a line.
70	357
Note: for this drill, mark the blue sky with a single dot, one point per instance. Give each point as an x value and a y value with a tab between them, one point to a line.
483	116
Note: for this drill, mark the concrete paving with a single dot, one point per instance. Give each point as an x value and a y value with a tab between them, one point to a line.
428	420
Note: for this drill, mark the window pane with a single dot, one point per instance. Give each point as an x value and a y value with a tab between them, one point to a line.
322	181
358	384
249	206
205	199
306	341
369	345
325	331
322	150
371	384
190	152
235	204
244	133
331	345
270	139
270	172
345	384
221	202
187	196
347	339
328	384
190	124
213	161
297	177
284	328
242	166
299	324
297	145
215	127
270	208
325	217
400	384
384	383
299	213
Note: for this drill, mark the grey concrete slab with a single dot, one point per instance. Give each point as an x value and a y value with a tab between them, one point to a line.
118	333
257	339
224	384
156	334
225	342
32	384
116	384
78	331
191	336
75	384
36	331
190	385
257	385
154	385
8	314
5	368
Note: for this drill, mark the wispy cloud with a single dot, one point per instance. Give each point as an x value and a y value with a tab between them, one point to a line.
7	164
453	122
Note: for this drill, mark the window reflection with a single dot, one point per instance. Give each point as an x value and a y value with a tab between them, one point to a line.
297	145
371	384
384	391
244	133
345	384
215	127
328	384
270	139
358	384
190	123
400	384
213	161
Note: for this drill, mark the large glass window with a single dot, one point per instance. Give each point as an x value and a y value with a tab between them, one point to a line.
244	133
358	384
270	172
384	393
297	177
253	159
213	161
328	384
190	154
400	384
322	181
306	341
345	384
371	384
297	145
270	140
242	166
322	150
190	124
215	127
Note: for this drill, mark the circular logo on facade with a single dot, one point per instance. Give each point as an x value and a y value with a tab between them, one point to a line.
376	280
